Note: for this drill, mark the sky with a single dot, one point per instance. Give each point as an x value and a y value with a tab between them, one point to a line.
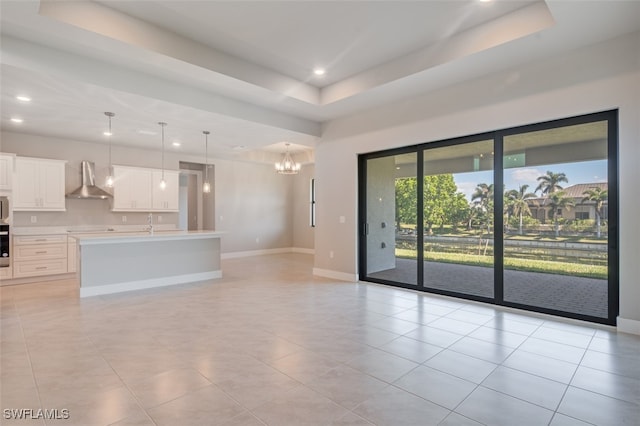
581	172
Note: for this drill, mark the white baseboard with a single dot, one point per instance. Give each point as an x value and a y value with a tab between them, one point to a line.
146	284
628	325
335	275
250	253
237	254
302	250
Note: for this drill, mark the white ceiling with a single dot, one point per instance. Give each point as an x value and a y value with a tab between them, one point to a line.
243	69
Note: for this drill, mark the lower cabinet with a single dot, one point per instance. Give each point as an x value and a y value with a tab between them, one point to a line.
72	255
5	273
37	255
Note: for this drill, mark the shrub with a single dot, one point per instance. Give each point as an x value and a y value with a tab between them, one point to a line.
581	225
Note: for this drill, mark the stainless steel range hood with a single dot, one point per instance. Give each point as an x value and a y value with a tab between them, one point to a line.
88	189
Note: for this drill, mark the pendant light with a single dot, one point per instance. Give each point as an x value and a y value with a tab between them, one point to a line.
109	180
163	183
287	166
206	187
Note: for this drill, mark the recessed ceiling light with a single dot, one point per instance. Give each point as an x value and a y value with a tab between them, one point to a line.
23	98
107	133
319	71
17	119
176	143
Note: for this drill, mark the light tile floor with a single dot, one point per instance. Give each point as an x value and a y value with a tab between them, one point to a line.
271	344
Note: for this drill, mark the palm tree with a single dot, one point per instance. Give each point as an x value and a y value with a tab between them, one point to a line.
483	194
507	208
518	203
550	182
598	196
558	200
483	198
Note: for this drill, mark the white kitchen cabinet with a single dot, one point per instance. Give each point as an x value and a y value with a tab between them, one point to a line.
39	184
5	273
72	255
38	255
131	189
6	171
138	189
167	199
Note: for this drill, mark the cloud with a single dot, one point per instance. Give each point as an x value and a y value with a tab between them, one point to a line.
526	175
467	188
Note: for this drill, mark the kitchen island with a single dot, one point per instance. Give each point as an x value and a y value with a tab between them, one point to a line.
113	263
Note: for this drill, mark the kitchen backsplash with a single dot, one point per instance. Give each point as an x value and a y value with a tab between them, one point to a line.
90	212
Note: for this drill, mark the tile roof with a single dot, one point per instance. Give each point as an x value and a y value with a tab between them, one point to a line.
577	191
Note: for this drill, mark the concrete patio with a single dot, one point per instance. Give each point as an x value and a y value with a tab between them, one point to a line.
577	295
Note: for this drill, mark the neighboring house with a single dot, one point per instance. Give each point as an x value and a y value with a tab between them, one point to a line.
580	210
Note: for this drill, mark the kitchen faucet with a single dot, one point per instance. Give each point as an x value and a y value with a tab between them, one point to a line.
150	221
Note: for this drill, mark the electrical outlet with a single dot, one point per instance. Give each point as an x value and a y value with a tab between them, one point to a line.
257	240
34	219
159	218
124	219
331	254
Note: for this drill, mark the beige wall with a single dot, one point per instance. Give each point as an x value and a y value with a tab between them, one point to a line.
601	77
303	233
254	205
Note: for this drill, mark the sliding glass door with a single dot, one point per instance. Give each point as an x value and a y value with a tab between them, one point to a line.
556	200
390	226
523	217
458	219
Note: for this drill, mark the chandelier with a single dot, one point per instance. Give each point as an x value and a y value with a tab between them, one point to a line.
287	166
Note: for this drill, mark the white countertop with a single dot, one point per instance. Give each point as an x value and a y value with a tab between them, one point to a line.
137	237
72	230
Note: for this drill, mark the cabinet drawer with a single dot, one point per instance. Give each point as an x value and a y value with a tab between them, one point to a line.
39	251
38	239
72	255
5	273
33	268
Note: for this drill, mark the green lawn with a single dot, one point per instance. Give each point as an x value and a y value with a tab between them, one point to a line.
530	265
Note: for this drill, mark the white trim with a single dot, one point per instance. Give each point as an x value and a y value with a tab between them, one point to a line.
626	325
302	250
249	253
336	275
150	283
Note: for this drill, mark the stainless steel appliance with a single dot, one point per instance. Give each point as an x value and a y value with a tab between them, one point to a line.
4	246
88	189
4	209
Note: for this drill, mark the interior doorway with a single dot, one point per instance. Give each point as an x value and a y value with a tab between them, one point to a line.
190	214
197	209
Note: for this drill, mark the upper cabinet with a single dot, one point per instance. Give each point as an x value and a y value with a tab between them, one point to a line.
39	184
165	199
138	189
131	189
6	171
